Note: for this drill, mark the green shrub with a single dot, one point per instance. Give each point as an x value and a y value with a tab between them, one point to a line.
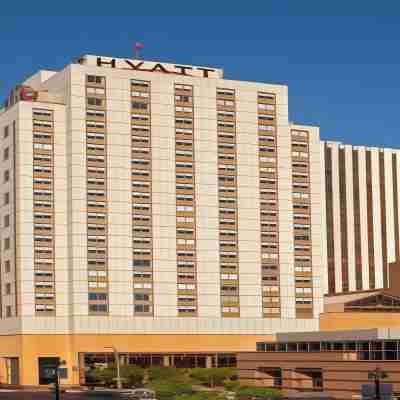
199	396
249	392
213	376
167	390
167	374
103	376
231	385
131	375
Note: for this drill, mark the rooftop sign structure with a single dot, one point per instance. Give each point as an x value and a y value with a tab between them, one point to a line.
151	66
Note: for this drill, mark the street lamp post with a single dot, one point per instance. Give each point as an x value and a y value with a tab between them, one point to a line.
377	375
116	356
57	378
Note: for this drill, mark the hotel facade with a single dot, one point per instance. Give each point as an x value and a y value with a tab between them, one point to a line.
161	209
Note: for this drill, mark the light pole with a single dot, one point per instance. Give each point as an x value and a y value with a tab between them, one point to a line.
116	356
57	378
377	374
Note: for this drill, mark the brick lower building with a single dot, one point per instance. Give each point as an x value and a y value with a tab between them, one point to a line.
337	363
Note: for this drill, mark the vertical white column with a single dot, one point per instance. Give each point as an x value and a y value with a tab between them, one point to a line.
248	203
77	198
285	204
317	176
390	239
206	190
24	259
376	205
323	233
120	271
350	217
62	282
363	217
336	217
398	185
164	196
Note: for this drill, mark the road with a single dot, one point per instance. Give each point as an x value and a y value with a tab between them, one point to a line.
22	395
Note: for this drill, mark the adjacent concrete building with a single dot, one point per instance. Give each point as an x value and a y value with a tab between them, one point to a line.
362	215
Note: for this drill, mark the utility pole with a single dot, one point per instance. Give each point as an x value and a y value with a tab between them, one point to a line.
116	356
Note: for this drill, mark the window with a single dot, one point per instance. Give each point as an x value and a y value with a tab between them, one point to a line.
268	107
303	290
271	310
6	131
6	243
141	263
6	154
139	105
186	309
95	79
7	220
267	96
6	175
91	90
100	308
94	101
142	308
140	83
7	266
186	286
139	94
142	285
230	309
98	296
144	275
8	288
142	297
8	312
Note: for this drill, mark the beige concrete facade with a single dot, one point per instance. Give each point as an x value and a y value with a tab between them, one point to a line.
70	205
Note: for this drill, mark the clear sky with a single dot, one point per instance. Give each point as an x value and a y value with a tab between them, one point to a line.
342	65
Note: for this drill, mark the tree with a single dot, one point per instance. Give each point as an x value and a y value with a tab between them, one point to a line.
213	376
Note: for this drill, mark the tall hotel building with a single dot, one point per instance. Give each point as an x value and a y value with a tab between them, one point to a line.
174	216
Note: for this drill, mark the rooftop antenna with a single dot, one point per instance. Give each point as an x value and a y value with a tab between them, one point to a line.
138	46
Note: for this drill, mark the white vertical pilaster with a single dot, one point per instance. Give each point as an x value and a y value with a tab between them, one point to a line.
350	217
376	206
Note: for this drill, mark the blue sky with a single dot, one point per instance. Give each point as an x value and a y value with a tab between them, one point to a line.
342	68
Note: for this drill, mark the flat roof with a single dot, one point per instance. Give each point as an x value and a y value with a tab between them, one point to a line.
347	335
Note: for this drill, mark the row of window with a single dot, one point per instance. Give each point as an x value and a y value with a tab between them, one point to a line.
269	203
96	172
302	240
227	192
43	226
185	196
142	217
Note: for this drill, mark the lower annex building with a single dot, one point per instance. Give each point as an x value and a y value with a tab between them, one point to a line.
161	209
